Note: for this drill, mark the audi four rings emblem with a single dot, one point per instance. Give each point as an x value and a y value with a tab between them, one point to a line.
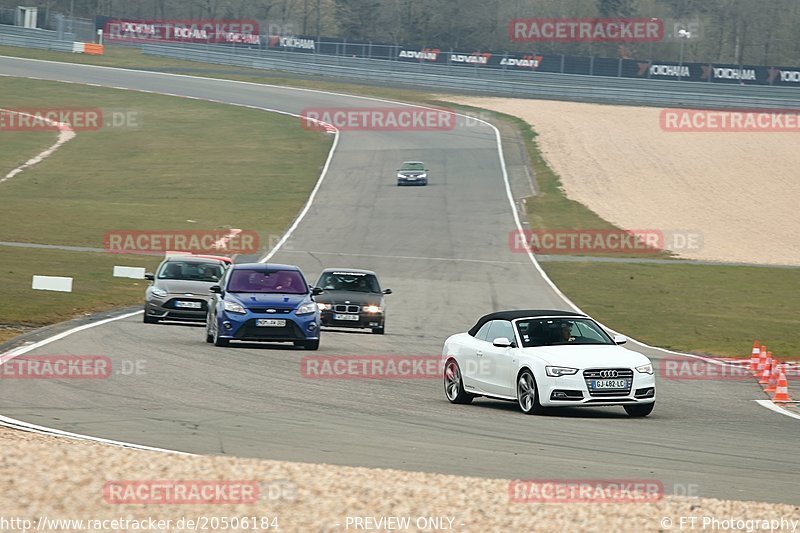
608	373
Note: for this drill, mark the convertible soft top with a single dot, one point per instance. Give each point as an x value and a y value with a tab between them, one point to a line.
512	315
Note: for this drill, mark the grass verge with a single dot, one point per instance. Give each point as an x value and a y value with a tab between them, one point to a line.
716	310
254	171
93	290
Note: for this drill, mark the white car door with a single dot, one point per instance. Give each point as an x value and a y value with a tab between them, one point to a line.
471	357
499	363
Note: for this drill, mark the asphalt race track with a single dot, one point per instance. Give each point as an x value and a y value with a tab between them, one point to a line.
443	249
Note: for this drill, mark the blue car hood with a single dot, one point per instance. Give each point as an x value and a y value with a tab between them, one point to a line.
254	299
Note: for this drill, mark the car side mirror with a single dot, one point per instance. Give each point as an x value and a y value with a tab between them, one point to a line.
316	291
502	342
620	339
216	289
149	276
387	291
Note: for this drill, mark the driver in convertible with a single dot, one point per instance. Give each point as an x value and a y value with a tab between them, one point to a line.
566	332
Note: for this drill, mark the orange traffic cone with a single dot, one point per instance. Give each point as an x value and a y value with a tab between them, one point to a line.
782	391
754	355
773	376
767	367
762	359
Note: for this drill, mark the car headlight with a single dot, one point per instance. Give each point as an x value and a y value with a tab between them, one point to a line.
373	309
324	307
158	293
307	309
234	307
423	176
401	176
645	369
556	371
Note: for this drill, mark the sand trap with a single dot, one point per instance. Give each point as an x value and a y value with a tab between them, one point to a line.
740	191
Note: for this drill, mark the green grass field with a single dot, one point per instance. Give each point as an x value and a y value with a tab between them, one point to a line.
94	288
717	310
187	165
20	146
254	170
711	309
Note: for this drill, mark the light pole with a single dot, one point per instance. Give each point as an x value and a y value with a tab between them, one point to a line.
684	36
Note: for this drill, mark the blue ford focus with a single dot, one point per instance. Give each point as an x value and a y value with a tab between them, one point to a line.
263	302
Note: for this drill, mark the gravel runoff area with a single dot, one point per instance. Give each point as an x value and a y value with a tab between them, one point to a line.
738	191
53	478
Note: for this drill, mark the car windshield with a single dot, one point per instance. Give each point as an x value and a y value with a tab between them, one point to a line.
190	271
413	166
267	281
349	281
560	331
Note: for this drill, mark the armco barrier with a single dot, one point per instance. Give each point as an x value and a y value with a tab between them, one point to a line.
35	38
495	82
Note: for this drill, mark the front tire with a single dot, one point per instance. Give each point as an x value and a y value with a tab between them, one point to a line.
148	319
378	331
454	385
528	394
311	345
219	341
639	410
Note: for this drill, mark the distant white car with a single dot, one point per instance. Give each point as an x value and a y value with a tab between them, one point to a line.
546	359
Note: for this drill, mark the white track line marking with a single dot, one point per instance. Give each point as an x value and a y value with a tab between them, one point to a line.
42	430
498	138
778	409
65	134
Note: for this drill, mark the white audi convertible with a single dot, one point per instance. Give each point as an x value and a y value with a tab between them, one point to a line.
547	359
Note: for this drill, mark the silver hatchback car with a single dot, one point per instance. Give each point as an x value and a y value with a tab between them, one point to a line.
180	287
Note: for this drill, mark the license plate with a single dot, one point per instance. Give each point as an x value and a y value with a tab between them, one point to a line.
270	323
610	384
189	305
411	178
346	317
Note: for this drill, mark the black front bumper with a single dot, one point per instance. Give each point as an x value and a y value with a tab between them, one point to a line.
365	320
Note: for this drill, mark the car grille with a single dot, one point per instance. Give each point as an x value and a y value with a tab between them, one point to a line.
598	373
346	308
270	310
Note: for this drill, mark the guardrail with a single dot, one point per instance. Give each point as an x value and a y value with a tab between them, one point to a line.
495	82
36	38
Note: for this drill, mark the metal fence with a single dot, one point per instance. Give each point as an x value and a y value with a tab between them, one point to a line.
82	29
36	38
491	82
